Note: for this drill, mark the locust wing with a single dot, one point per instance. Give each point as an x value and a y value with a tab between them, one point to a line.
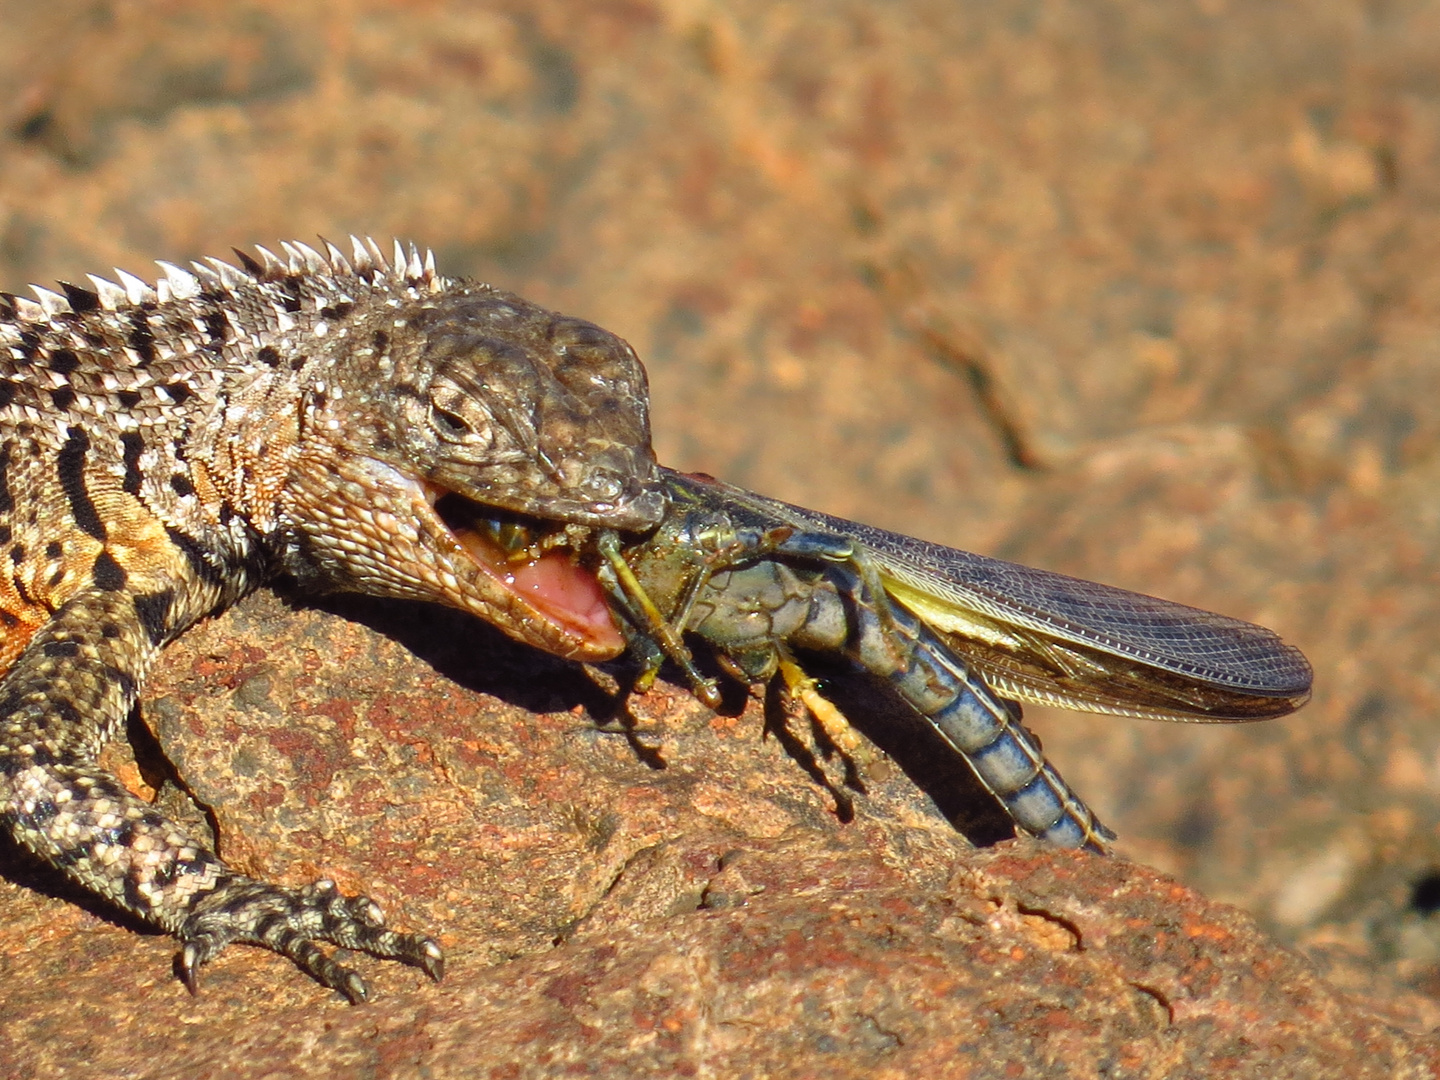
1048	638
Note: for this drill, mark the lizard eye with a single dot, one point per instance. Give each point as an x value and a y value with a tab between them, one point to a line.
448	421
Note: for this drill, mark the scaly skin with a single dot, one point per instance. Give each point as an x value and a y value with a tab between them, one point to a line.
165	450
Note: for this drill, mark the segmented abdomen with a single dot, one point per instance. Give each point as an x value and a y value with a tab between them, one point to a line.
984	729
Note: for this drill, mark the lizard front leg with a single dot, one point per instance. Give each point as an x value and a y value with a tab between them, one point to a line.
65	695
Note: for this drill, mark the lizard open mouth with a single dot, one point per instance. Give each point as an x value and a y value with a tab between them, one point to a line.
536	561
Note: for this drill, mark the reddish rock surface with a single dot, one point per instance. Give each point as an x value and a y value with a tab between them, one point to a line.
682	902
1141	292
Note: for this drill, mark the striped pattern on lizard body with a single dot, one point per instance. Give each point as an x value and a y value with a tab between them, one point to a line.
165	449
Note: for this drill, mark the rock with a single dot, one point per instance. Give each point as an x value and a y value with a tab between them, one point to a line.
679	900
1140	292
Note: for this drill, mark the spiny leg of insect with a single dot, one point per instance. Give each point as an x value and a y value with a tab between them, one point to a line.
880	602
661	631
806	690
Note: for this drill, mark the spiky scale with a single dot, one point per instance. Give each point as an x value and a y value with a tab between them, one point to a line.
28	311
51	302
180	284
230	277
80	300
360	256
137	291
207	277
270	263
376	255
337	258
112	296
164	449
312	261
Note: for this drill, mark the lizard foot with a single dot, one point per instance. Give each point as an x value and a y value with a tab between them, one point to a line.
290	922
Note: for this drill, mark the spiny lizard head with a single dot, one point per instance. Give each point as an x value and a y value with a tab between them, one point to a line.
383	428
462	443
509	405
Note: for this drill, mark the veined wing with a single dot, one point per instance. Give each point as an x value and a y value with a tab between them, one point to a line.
1049	638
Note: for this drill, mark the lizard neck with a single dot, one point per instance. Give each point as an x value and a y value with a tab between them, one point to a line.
245	454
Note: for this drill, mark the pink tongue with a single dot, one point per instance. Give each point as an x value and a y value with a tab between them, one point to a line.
570	596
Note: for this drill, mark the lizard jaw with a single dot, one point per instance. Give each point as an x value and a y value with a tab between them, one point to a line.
543	576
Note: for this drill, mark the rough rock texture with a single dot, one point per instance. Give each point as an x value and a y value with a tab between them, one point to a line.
680	902
1142	292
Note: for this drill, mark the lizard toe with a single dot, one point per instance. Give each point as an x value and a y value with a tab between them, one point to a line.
293	923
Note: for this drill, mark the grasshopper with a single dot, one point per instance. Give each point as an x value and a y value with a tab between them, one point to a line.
960	638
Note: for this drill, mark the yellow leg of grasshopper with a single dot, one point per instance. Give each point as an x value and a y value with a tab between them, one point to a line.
666	636
836	727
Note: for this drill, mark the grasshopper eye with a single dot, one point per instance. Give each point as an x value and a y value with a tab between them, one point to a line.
511	537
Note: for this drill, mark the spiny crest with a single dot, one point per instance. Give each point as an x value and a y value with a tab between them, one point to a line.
136	290
111	295
407	267
51	303
177	284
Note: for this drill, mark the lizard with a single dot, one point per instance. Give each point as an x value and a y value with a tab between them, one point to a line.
355	422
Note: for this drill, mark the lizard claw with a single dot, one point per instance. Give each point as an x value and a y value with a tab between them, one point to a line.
189	962
292	922
431	960
354	988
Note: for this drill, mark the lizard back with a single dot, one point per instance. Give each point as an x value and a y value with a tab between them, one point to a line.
361	424
162	432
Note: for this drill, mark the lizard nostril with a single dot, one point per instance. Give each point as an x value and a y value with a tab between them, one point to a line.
602	485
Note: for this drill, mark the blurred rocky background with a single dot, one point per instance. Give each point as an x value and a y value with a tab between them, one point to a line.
1148	293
